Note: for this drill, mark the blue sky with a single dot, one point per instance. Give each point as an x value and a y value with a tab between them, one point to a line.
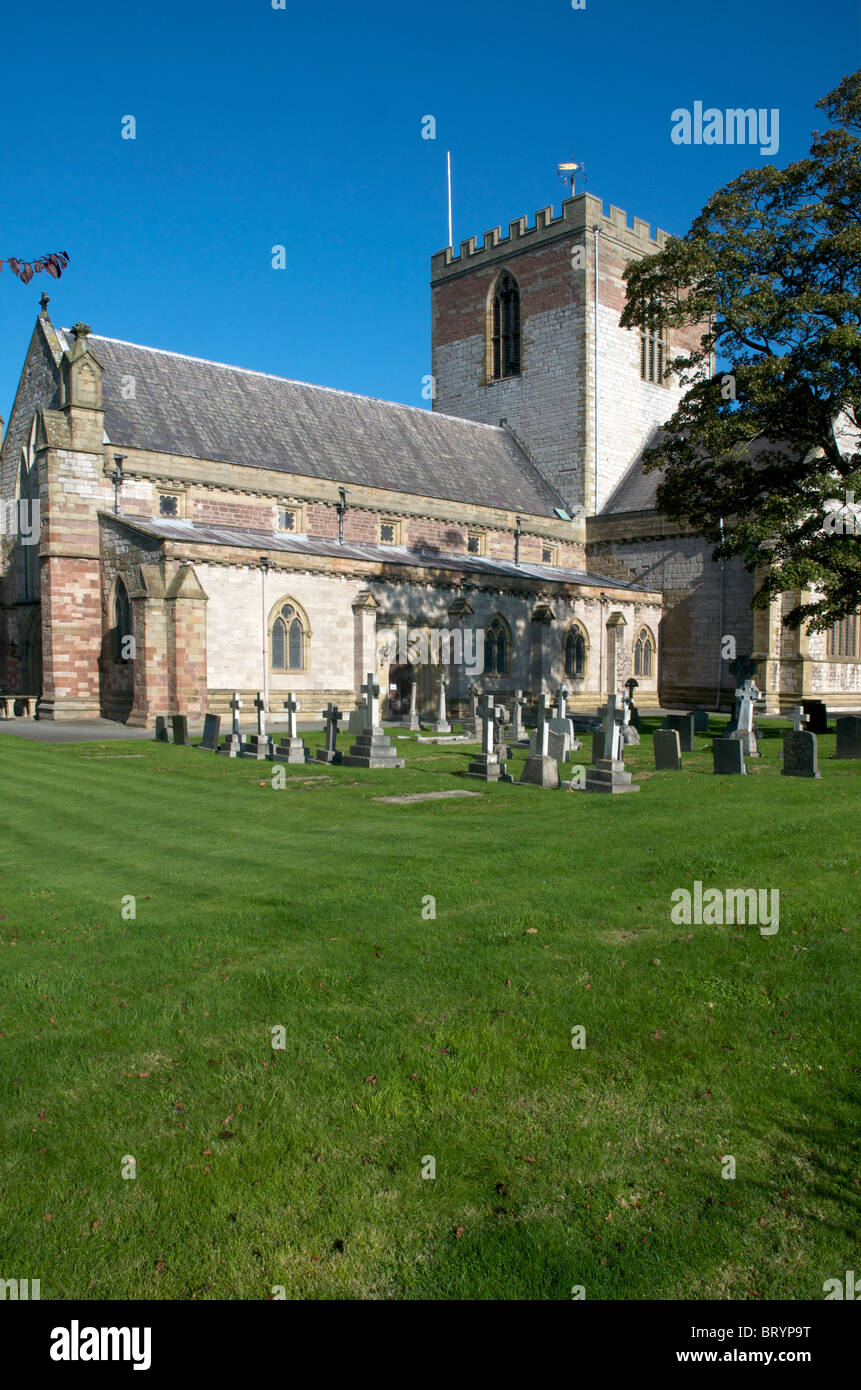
302	127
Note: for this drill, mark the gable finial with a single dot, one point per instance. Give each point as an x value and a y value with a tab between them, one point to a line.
44	301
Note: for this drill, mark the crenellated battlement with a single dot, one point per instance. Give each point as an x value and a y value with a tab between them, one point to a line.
581	213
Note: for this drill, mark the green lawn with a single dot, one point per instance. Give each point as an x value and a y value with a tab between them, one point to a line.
408	1037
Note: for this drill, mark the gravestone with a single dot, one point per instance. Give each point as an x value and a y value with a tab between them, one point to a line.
558	746
799	754
608	773
561	698
292	748
179	723
540	768
259	745
631	685
518	732
440	725
356	721
486	765
818	715
728	754
848	737
232	745
414	722
501	722
211	730
470	723
684	727
701	721
331	753
744	731
161	734
373	748
629	732
668	752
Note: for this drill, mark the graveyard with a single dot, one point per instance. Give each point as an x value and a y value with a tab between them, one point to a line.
395	1023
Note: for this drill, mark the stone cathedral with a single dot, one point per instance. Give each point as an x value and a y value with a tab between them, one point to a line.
176	529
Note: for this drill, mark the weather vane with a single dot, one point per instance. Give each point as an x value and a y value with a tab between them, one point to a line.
569	172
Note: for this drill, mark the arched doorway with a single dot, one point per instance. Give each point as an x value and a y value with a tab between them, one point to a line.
31	657
400	676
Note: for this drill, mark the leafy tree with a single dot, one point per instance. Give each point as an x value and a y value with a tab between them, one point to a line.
54	263
770	271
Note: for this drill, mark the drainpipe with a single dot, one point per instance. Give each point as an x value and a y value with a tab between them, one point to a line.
517	542
265	566
721	617
604	599
341	509
597	232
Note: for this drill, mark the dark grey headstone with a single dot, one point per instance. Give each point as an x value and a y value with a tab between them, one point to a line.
728	755
732	726
180	728
211	731
668	753
701	720
684	726
161	734
848	737
635	717
799	754
817	722
597	746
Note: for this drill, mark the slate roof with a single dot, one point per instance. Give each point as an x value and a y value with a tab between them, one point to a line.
194	534
208	410
635	492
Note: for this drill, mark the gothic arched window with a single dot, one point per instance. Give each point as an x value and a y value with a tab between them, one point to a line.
505	328
497	647
841	639
289	639
575	653
644	653
122	629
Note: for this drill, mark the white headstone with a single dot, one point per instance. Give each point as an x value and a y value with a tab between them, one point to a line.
371	692
292	706
260	706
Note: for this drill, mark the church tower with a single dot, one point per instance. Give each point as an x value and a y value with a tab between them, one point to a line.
526	330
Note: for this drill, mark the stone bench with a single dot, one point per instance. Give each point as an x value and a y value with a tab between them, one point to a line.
23	706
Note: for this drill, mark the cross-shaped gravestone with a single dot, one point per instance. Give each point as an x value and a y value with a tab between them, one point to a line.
561	696
542	732
292	706
520	703
487	726
799	719
371	692
472	692
747	695
332	715
260	706
236	706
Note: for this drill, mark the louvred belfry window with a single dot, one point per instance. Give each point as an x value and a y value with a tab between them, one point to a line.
505	329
